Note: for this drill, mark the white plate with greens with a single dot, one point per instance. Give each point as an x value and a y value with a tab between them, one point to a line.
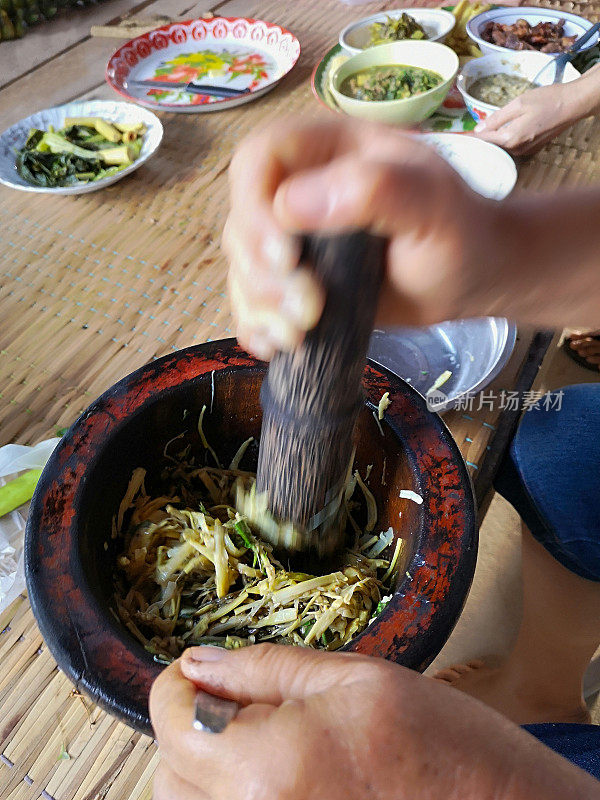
100	172
436	24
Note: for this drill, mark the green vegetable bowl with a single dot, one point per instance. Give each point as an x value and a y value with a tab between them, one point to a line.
14	138
435	22
406	111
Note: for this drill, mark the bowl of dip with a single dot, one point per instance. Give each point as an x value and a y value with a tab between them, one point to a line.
401	83
491	82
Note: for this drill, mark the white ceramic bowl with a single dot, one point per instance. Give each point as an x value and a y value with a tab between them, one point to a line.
525	64
15	137
574	25
436	23
410	110
486	168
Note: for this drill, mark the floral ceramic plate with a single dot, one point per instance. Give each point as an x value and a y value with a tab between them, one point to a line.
247	55
452	116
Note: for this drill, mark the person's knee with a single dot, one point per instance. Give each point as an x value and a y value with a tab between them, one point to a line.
552	476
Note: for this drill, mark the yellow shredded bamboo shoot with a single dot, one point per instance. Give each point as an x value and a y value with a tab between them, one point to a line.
202	574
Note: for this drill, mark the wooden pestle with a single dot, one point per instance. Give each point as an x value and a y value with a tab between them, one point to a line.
311	397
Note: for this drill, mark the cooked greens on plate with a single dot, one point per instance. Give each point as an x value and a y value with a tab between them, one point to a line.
85	149
389	82
395	29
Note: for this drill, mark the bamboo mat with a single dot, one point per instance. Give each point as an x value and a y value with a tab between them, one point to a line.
92	287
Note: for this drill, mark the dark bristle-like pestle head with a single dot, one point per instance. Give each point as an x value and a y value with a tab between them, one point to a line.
311	399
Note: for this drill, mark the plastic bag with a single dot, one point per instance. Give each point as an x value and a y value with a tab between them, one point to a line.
15	458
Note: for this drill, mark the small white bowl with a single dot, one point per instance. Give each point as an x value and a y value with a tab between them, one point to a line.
436	23
485	167
525	64
574	26
15	137
410	110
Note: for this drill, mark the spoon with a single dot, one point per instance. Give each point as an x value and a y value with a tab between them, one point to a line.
191	87
561	61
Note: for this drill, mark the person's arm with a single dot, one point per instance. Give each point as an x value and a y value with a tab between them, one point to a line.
317	725
527	123
452	253
542	265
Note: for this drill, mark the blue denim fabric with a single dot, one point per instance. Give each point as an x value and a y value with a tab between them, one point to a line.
578	743
551	476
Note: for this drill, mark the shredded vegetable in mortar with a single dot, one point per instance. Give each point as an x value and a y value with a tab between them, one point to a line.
193	571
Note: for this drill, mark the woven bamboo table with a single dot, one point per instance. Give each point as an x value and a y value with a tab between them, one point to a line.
93	287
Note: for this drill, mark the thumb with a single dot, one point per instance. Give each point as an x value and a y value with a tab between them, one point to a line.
270	674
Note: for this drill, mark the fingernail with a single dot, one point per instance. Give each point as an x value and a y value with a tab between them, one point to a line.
292	306
300	302
206	653
284	334
277	253
261	347
308	198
